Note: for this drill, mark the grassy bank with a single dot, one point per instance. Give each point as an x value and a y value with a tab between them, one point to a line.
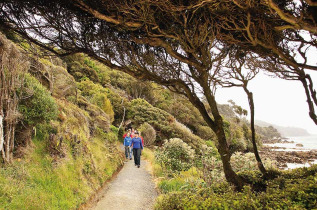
39	182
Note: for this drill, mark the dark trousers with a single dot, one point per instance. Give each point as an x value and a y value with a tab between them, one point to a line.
137	156
127	152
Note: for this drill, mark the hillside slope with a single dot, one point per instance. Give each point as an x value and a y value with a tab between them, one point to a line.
61	156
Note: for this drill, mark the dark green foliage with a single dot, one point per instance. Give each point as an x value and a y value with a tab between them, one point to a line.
184	133
165	125
140	111
119	103
296	189
268	132
183	110
234	134
79	66
97	95
175	155
37	104
206	133
43	130
148	133
110	136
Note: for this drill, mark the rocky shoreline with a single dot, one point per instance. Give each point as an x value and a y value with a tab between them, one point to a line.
282	157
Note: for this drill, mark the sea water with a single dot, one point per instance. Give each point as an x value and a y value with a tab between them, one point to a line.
308	142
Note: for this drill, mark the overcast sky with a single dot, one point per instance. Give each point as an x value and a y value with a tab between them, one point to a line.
277	101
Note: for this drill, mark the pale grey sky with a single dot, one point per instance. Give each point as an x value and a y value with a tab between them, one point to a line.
277	101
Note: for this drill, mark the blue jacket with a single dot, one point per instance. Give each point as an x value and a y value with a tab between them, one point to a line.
137	143
127	141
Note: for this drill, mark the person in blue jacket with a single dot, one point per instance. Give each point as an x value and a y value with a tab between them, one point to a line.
137	146
127	145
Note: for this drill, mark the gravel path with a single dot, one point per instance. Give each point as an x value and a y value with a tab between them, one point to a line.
133	188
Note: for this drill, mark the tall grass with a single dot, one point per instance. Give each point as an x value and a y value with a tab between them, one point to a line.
156	168
38	182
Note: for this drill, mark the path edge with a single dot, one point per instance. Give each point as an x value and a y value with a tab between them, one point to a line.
94	198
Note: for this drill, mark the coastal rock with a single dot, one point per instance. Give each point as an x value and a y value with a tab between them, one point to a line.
299	145
283	157
277	140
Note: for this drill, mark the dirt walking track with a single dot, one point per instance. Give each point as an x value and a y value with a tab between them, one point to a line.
132	189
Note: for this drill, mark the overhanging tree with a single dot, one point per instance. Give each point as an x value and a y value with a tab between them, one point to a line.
238	72
174	43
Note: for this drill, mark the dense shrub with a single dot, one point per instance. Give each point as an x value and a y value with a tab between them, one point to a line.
241	162
281	193
235	137
211	165
80	66
268	132
148	133
206	133
247	162
184	133
140	111
175	155
107	136
165	125
97	95
37	104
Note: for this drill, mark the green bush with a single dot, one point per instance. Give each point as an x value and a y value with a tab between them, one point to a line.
140	111
107	136
175	155
211	165
43	130
97	95
183	132
247	162
235	136
206	133
148	133
296	189
37	104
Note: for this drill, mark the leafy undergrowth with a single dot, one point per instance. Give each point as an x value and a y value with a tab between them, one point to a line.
39	182
291	190
187	189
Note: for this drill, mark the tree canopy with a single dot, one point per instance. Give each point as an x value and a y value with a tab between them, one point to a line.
179	44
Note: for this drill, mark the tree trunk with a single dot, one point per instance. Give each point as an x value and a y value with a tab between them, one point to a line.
312	90
310	103
223	150
255	148
1	130
223	147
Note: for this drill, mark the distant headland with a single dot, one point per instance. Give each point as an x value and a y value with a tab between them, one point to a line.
285	131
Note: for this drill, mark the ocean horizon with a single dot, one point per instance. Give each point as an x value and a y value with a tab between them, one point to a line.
308	142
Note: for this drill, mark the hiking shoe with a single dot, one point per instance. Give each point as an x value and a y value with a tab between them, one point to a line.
138	166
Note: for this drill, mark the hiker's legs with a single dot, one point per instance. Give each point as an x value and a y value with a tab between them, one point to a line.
126	151
138	156
135	156
130	153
